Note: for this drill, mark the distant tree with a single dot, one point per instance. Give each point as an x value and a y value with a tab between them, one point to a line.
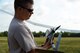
4	34
35	34
38	34
42	34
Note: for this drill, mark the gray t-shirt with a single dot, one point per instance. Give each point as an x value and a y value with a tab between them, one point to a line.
20	38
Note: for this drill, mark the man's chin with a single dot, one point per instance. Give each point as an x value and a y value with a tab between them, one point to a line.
27	18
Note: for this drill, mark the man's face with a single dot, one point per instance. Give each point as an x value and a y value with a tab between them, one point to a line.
27	11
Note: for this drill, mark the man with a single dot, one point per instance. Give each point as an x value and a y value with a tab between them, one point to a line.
20	38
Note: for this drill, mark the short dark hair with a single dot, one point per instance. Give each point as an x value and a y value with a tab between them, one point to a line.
21	2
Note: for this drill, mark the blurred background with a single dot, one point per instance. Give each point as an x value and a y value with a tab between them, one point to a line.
47	12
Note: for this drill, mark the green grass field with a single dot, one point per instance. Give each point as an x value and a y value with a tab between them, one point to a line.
67	45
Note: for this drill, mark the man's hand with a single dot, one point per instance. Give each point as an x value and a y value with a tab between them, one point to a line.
50	37
47	44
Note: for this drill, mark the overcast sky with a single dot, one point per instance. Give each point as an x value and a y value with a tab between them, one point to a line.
50	12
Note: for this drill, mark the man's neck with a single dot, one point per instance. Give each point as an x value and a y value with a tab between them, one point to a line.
19	17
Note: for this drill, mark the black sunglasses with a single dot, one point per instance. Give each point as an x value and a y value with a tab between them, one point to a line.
29	10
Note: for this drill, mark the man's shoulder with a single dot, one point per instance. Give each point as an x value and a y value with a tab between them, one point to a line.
14	25
16	22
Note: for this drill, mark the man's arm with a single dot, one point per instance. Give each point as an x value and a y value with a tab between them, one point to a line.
32	51
41	49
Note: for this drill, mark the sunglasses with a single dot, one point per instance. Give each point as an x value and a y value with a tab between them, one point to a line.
29	10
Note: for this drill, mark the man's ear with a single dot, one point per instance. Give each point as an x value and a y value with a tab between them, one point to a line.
19	9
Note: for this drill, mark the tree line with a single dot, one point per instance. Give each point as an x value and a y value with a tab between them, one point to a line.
42	34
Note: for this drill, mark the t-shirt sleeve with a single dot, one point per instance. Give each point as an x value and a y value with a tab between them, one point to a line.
24	39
